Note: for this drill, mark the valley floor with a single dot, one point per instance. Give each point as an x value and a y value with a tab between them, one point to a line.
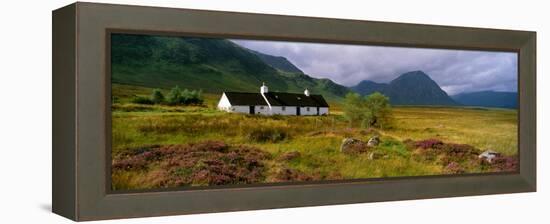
167	146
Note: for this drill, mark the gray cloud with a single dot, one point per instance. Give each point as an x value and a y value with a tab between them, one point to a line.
456	71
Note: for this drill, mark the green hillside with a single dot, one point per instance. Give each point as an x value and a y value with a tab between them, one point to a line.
213	65
278	62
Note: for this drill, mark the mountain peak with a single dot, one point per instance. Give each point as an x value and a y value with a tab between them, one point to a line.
366	82
410	88
418	74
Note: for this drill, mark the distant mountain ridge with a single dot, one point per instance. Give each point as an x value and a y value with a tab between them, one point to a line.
488	99
411	88
367	87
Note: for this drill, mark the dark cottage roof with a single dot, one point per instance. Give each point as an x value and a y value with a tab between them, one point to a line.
238	98
276	99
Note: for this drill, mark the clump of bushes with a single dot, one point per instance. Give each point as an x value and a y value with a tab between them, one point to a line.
444	153
204	163
457	158
135	159
503	163
428	143
460	151
157	97
175	97
184	97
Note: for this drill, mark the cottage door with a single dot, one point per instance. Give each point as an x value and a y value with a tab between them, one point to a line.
251	111
297	111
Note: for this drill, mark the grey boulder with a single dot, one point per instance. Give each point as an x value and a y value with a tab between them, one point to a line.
351	145
374	141
489	155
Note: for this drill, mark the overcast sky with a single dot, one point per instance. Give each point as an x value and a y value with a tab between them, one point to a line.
456	71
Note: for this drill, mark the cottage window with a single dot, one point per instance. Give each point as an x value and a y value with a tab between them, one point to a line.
262	107
284	108
307	108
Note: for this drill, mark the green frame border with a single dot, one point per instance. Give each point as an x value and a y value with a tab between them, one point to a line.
81	112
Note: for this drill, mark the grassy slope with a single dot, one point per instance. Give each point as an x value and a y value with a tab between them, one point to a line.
317	138
215	81
213	65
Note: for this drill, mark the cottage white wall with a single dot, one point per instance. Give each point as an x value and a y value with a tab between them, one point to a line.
224	103
240	109
262	110
304	112
323	110
287	111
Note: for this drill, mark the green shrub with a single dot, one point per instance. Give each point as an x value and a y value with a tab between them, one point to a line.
378	113
185	97
157	97
371	111
174	96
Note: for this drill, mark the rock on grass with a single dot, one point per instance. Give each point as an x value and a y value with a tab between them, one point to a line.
374	141
458	158
489	155
352	146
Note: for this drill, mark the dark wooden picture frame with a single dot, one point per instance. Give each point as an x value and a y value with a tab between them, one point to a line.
81	113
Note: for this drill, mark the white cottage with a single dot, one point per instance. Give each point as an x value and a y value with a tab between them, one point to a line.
269	103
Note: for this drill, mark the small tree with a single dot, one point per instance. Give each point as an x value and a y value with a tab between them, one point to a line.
157	97
371	111
378	111
353	108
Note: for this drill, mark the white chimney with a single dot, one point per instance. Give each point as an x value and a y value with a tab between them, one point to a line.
263	89
306	92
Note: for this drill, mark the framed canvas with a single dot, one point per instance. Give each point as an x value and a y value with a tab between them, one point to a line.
203	111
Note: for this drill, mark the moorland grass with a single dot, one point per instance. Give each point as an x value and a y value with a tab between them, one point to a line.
317	139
